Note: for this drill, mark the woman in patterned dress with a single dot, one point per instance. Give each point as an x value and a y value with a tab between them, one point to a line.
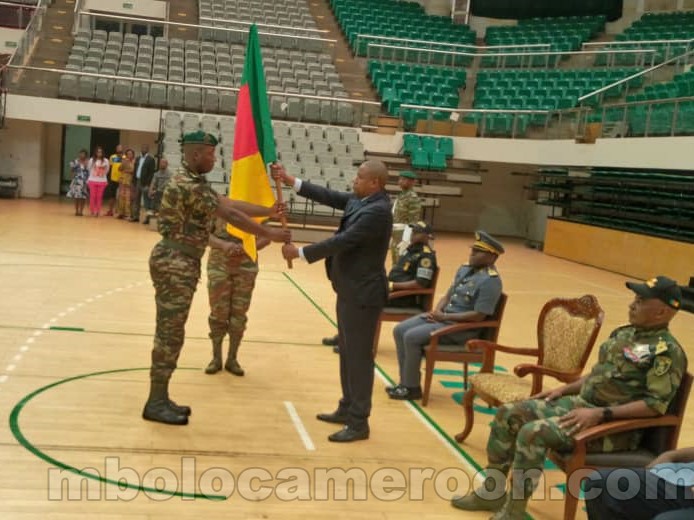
78	186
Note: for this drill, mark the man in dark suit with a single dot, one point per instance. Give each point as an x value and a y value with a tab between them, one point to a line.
145	166
354	260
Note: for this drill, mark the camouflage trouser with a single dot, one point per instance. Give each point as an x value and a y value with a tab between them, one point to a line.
522	432
175	277
230	283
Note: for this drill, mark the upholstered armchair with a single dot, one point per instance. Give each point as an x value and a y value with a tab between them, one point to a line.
566	333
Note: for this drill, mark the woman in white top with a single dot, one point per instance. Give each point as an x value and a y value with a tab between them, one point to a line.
98	180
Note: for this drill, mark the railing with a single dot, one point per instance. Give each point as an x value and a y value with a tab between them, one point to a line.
648	120
76	20
207	31
28	39
670	46
259	25
428	44
569	122
283	105
522	59
599	92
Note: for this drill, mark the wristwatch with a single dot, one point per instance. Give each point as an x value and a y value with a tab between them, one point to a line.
606	414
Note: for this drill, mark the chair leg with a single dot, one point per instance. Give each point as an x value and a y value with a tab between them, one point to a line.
465	375
428	374
469	414
570	505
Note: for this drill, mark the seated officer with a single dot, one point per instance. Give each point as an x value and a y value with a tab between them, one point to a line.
415	270
473	296
639	370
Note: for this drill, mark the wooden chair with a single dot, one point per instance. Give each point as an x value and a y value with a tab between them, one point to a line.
566	333
661	434
403	313
436	351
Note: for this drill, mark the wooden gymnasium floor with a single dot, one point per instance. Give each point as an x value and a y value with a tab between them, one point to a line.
76	321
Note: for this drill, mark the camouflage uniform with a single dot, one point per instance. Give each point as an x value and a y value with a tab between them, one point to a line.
407	209
634	364
230	283
187	208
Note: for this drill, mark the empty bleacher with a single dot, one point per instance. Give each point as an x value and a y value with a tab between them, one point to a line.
194	62
397	19
427	152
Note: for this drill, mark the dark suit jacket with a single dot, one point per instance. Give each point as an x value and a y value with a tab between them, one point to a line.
148	169
355	255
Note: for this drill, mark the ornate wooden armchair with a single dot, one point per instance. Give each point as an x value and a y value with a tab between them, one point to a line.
436	351
661	434
566	333
403	313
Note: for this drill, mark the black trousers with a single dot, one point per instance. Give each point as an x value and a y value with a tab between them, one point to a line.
356	327
653	497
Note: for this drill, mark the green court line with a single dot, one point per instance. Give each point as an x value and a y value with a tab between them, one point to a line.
17	433
318	307
68	329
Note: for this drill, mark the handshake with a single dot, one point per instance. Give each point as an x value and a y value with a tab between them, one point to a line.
289	250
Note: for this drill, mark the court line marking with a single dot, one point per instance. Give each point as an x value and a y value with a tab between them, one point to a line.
299	425
461	454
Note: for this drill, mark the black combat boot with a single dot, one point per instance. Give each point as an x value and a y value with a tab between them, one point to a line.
232	365
158	407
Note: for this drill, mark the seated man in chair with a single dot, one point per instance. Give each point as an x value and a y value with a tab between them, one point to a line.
415	270
639	370
473	296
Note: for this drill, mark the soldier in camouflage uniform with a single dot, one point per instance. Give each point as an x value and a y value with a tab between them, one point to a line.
407	209
186	215
230	281
639	370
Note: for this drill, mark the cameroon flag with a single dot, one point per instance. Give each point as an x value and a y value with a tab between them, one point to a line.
254	143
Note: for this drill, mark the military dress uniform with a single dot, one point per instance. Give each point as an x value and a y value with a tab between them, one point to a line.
634	364
230	283
418	263
407	209
473	289
185	221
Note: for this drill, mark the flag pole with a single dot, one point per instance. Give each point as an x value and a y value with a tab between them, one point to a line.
283	217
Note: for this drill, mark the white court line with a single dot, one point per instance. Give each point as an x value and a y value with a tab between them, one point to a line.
24	348
10	368
30	340
3	378
294	416
472	470
17	357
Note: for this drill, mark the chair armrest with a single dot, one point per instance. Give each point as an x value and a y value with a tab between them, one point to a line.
565	377
624	425
463	325
408	292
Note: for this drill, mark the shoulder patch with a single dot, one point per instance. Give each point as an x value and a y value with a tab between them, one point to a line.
661	347
425	262
661	365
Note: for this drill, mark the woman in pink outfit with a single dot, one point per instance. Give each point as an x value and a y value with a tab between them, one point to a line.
98	171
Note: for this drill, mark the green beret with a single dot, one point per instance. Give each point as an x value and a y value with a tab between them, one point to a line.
408	175
199	137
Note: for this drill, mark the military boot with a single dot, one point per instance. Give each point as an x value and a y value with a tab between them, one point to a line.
482	499
231	364
216	363
513	509
158	407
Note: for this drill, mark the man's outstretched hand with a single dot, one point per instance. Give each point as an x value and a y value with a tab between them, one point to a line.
290	251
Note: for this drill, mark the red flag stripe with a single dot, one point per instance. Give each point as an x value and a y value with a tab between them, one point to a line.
245	139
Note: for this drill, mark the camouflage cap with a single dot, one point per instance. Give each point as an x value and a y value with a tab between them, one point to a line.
485	242
199	137
408	174
662	288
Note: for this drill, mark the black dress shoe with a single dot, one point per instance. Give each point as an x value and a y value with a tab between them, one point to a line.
391	389
336	349
330	342
404	393
349	434
335	417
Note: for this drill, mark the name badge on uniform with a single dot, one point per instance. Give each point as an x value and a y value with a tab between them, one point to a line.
426	274
638	353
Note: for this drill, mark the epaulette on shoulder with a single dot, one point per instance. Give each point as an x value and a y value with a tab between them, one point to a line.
492	272
426	249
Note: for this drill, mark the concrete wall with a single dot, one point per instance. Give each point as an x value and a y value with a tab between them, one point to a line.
52	150
9	38
21	154
146	8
